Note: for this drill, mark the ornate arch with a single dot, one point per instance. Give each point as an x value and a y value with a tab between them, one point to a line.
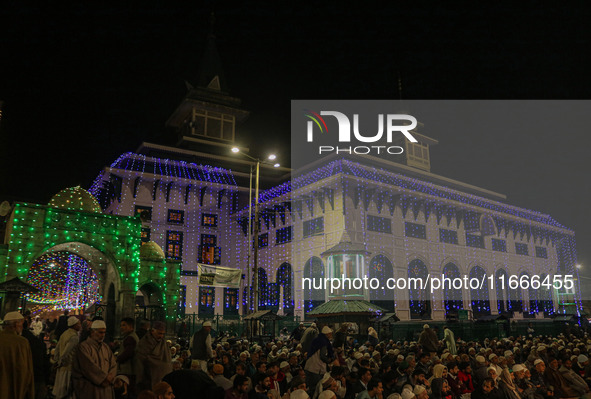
452	297
419	301
502	297
381	268
480	301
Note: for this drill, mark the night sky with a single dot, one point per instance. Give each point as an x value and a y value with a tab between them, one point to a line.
84	82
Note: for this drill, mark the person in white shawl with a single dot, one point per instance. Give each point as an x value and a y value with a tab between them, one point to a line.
450	340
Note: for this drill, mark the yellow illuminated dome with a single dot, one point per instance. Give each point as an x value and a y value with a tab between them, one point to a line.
75	199
151	251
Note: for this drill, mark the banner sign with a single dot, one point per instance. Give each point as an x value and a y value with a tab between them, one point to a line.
217	276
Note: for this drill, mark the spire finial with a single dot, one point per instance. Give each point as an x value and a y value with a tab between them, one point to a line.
399	86
211	35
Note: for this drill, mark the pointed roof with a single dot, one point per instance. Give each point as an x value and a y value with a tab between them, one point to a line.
336	307
345	246
211	75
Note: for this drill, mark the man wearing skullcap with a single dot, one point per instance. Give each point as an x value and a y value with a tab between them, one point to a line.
201	349
63	356
94	367
428	340
16	362
154	356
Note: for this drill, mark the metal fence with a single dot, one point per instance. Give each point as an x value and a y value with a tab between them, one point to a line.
234	325
471	331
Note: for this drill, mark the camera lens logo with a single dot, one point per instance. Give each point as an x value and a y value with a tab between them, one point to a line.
319	122
394	123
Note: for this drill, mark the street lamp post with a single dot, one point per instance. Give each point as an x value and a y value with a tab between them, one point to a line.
255	269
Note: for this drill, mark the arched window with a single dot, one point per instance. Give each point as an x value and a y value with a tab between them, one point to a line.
314	270
452	297
284	279
381	268
500	277
545	303
420	306
479	295
515	297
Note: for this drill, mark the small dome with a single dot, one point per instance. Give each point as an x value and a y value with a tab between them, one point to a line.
151	251
75	199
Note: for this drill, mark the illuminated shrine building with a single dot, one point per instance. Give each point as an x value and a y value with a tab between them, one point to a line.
350	215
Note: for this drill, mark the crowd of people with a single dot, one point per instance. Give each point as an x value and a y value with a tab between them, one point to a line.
314	362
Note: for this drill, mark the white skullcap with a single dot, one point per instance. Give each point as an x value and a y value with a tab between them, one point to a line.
391	352
72	321
283	364
419	389
508	353
400	357
313	325
299	394
366	355
425	326
518	367
492	356
582	358
358	355
123	378
98	324
375	353
407	394
326	330
480	359
12	316
207	324
538	361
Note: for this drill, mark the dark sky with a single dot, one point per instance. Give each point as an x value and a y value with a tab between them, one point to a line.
83	82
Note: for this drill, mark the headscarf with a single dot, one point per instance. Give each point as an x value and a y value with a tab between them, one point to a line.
437	372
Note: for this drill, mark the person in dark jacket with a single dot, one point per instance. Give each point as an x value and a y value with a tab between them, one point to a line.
62	324
201	349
